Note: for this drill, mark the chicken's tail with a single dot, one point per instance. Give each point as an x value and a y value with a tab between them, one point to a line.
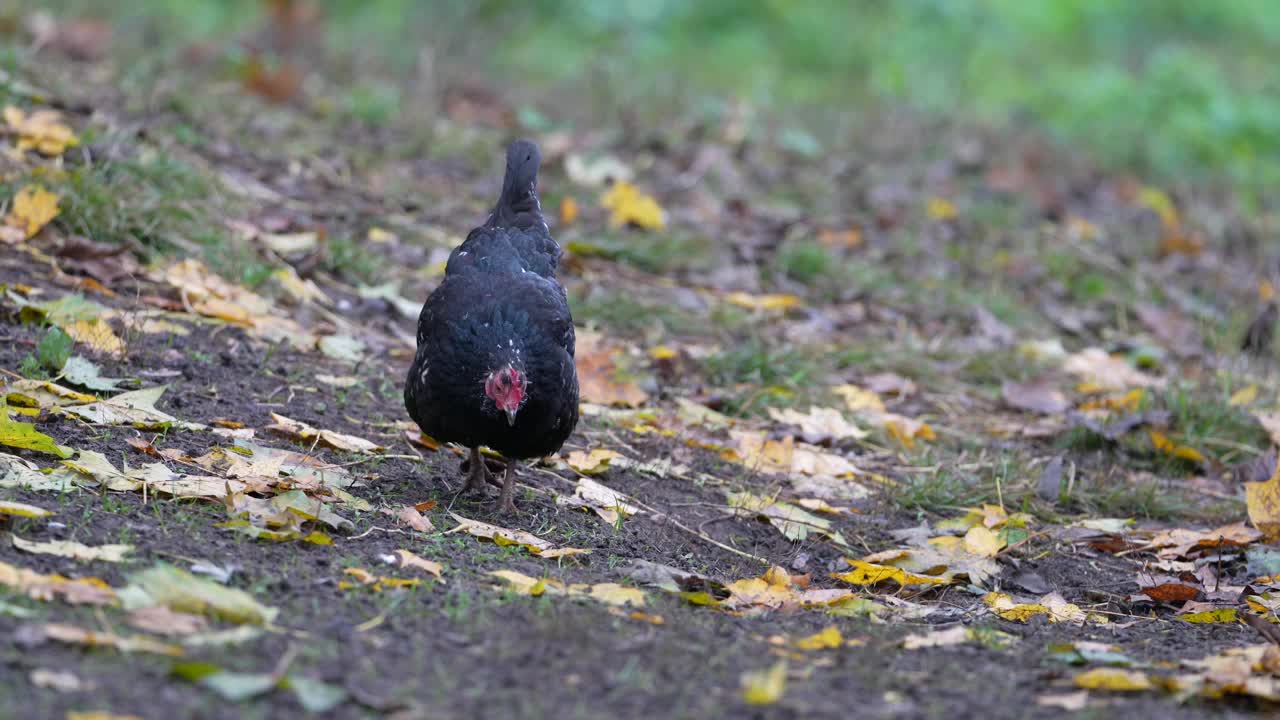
518	204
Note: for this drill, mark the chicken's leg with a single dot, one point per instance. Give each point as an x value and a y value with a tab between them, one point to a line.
477	474
505	503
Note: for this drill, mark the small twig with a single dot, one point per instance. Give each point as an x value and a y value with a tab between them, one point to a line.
397	531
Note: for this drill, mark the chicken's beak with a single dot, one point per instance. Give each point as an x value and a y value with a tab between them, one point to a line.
511	417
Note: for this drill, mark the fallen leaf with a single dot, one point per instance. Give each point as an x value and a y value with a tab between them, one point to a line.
33	208
829	637
41	130
938	638
72	635
627	205
408	559
1162	443
604	501
593	463
1040	397
342	347
599	376
81	591
97	334
819	424
1101	370
16	472
765	687
60	680
25	436
304	433
410	516
136	408
161	620
865	573
13	508
1244	396
73	550
773	302
503	536
1113	679
83	372
179	590
1071	702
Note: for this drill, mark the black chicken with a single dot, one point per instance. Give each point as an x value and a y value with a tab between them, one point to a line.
494	365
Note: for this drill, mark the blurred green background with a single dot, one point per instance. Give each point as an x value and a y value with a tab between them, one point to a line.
1177	90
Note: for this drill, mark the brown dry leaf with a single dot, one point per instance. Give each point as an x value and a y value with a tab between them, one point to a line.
72	635
1099	370
410	560
410	516
600	379
33	208
42	131
304	433
1040	397
81	591
163	621
1181	543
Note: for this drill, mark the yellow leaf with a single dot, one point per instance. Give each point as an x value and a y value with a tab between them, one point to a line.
97	334
1168	447
1217	615
615	594
593	463
662	352
765	687
1004	606
1159	203
628	206
568	210
981	540
409	559
379	235
762	302
73	550
17	509
305	433
941	209
858	398
41	131
1263	502
1244	396
33	208
865	573
828	637
72	635
938	638
1113	679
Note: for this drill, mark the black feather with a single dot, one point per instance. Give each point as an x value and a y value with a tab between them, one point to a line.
499	304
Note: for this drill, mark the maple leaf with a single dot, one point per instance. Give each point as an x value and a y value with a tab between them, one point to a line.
33	208
627	205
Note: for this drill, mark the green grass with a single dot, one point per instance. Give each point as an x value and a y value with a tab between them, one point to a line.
1176	89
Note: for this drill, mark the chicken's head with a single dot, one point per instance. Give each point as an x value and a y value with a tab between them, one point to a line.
505	387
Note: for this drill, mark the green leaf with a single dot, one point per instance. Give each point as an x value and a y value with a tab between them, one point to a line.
315	696
235	686
180	590
26	436
83	372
